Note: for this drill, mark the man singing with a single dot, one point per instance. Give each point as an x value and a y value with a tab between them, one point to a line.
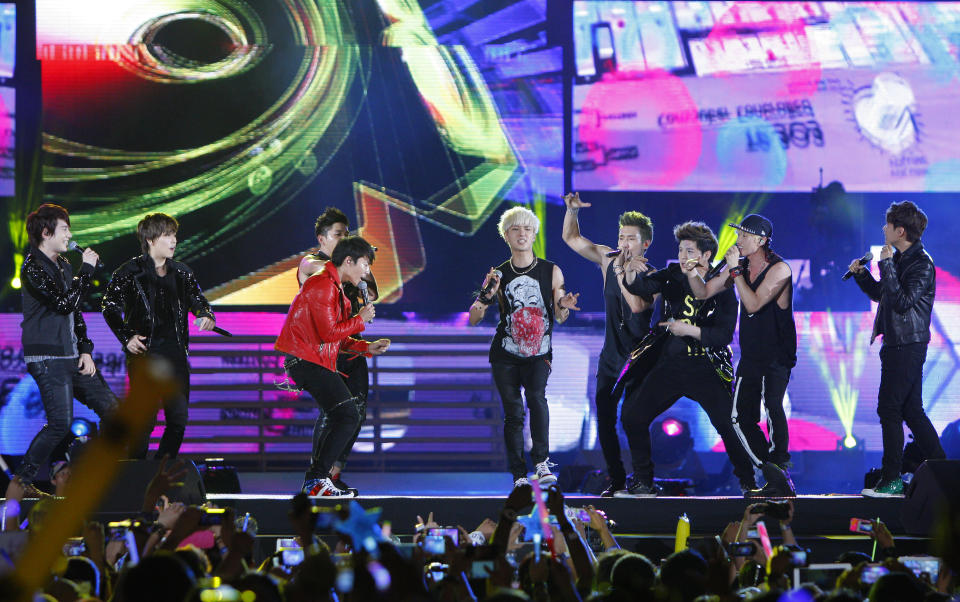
690	358
627	322
905	295
318	327
56	348
768	338
531	296
331	226
146	307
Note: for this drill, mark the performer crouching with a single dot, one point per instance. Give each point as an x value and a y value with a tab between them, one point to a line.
317	329
531	296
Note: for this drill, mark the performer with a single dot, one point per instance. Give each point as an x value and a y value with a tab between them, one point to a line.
768	337
531	296
627	322
689	358
56	348
146	306
905	295
317	328
331	226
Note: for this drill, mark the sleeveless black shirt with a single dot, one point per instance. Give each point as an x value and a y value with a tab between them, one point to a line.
526	314
623	330
769	335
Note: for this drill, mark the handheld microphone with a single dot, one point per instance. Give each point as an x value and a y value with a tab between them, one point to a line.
73	246
715	269
862	261
215	329
614	253
364	293
486	289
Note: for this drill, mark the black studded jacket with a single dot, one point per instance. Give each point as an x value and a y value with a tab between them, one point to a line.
128	304
51	294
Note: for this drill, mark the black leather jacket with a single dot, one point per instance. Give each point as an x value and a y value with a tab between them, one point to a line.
128	302
48	302
908	283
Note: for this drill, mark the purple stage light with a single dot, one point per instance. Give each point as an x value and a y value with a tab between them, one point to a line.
672	427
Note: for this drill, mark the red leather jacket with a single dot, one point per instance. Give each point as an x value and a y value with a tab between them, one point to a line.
320	322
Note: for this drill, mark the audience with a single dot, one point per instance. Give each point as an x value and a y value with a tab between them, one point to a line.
180	557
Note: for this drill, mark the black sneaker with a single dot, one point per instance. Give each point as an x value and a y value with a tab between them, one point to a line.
639	488
778	482
613	488
339	484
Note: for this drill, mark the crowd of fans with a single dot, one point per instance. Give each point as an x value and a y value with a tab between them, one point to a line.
531	551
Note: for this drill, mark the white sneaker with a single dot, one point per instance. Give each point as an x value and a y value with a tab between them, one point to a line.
326	488
544	475
521	482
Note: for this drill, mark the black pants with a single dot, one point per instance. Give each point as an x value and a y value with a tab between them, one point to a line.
607	401
358	381
900	400
175	406
753	386
59	381
532	376
670	379
340	417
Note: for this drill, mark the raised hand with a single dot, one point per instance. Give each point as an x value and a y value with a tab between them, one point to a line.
569	301
493	281
168	476
367	313
572	201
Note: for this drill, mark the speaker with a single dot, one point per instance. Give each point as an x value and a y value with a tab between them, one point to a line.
133	476
933	484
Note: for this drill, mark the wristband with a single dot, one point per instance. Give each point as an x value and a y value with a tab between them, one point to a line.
490	301
737	271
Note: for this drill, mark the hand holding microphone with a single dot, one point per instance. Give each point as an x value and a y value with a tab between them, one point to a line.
207	323
491	283
89	255
365	296
857	265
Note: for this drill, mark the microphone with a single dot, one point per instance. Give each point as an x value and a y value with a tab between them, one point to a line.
712	272
614	253
364	293
862	261
216	329
486	289
73	246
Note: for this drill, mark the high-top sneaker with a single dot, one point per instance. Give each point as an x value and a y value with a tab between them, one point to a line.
885	488
324	488
613	488
339	484
544	474
521	482
639	488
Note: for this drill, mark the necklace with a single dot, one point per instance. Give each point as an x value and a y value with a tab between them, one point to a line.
532	265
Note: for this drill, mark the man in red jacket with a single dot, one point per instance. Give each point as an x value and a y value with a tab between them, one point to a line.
317	329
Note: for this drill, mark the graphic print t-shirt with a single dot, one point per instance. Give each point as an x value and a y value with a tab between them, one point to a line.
526	314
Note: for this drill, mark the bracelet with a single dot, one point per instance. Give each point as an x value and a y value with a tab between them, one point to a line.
737	271
490	301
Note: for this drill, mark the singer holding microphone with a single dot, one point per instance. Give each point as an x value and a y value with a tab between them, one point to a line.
330	228
768	341
56	348
627	321
319	326
146	306
531	296
905	295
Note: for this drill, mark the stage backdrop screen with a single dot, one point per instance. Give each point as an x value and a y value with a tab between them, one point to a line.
764	95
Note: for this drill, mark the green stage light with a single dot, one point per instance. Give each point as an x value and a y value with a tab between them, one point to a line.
15	282
849	442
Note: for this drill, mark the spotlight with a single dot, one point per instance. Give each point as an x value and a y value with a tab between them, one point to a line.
672	427
15	282
81	427
849	443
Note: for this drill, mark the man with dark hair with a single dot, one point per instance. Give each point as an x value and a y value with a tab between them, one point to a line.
905	294
146	307
56	348
331	227
768	337
318	327
627	322
689	357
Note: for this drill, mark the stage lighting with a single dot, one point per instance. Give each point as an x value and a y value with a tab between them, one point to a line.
849	443
670	441
81	427
672	427
15	282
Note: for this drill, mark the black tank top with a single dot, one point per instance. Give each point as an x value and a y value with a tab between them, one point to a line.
623	329
526	314
769	335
